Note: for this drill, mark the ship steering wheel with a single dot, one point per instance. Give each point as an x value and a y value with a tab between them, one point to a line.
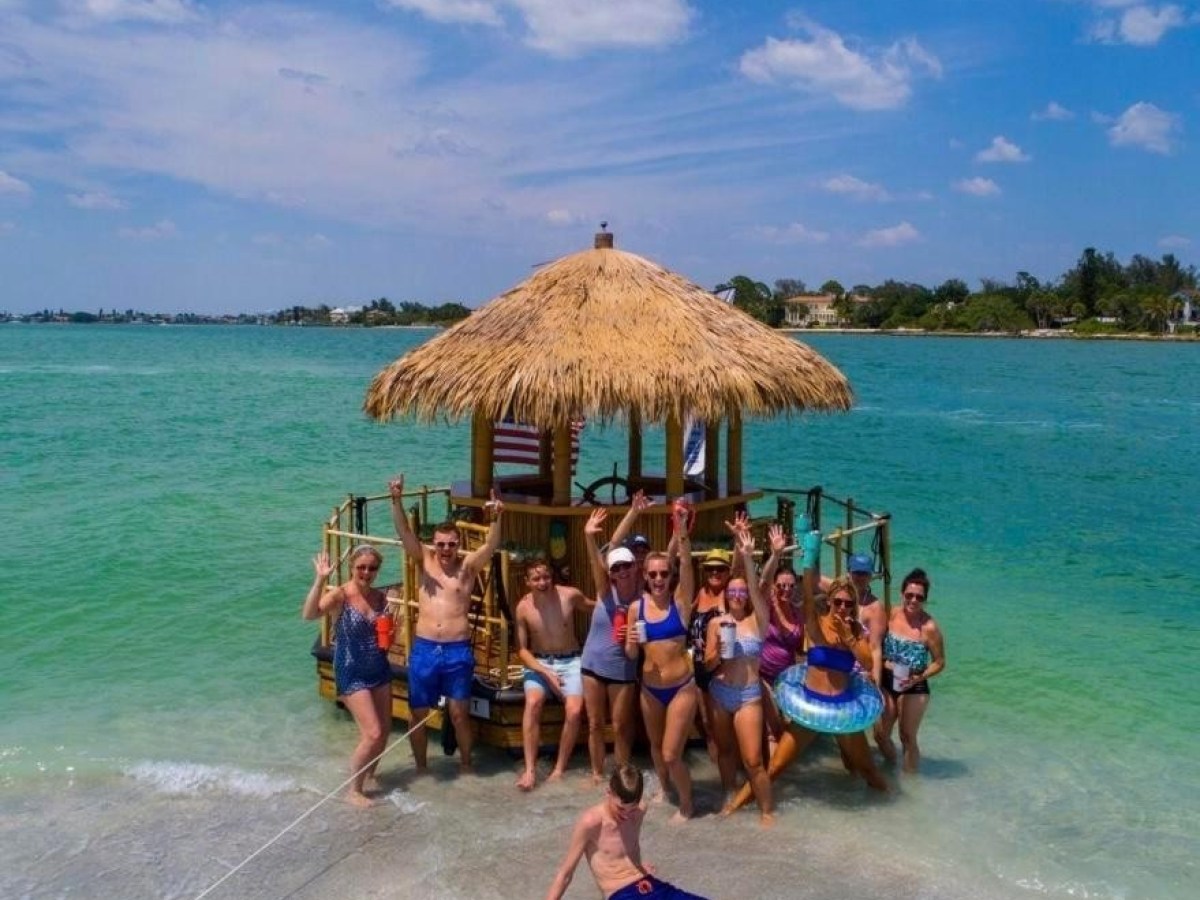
612	482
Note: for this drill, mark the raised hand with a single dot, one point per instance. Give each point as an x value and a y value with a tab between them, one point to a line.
495	505
776	537
744	540
741	522
595	522
322	566
396	487
640	502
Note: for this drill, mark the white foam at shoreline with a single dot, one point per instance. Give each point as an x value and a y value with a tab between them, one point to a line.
194	778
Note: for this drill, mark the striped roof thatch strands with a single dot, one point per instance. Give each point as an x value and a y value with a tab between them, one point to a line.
597	334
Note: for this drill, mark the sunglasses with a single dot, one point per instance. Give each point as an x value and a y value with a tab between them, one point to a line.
842	604
657	575
913	595
366	568
715	570
445	545
785	588
737	593
621	567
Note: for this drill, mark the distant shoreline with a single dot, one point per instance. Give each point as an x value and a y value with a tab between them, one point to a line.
1038	335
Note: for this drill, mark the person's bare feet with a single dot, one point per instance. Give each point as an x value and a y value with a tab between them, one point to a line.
556	775
359	799
597	779
527	781
767	820
465	768
679	818
371	785
658	796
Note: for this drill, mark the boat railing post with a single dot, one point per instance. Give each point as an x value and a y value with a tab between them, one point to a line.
837	552
849	526
424	503
885	552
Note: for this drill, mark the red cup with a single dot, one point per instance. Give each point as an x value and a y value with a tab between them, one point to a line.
385	631
618	622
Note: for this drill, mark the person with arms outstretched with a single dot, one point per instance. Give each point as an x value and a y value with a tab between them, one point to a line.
442	661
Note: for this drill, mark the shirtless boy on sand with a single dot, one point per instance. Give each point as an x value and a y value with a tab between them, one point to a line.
609	834
550	651
442	663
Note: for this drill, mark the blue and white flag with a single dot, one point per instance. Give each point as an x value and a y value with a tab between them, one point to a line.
693	446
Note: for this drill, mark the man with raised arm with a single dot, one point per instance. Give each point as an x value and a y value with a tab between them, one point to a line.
442	662
550	652
609	835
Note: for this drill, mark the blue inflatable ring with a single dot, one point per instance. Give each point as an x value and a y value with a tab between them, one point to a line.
855	709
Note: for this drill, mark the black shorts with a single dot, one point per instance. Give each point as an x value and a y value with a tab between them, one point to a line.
604	679
921	687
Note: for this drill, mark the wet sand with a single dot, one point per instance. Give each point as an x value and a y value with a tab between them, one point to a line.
444	836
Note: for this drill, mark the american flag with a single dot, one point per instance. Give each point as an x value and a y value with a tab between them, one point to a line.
518	443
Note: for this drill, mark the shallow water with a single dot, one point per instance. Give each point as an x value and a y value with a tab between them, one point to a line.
159	716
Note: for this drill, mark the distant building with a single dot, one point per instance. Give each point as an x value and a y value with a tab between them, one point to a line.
1187	308
815	310
339	316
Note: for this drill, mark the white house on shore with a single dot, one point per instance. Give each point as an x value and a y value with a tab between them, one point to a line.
340	316
815	310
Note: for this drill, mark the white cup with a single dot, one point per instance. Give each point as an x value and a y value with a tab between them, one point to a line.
727	636
639	628
899	675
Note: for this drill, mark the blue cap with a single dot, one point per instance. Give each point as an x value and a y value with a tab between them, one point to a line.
860	563
637	540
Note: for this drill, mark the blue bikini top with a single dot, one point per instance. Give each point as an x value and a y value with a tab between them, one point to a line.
836	658
666	629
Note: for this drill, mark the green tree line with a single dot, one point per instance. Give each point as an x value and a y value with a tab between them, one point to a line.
1097	294
376	312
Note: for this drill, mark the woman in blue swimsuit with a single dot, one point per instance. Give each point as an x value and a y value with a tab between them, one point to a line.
735	687
360	667
913	645
669	695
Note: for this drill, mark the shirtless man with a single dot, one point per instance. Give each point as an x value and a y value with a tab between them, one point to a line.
442	662
609	833
550	651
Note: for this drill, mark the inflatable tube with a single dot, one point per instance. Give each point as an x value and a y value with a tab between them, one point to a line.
855	709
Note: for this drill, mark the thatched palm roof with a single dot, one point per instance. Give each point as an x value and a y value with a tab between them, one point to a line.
597	334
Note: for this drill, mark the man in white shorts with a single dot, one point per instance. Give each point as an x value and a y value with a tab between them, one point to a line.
550	652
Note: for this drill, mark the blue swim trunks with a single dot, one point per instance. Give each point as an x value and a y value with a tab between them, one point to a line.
439	669
654	889
566	666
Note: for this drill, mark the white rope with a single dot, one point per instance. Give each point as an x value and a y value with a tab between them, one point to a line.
312	809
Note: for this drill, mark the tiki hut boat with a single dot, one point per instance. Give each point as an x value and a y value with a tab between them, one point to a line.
607	337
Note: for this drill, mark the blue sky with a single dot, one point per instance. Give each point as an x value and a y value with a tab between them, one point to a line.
221	156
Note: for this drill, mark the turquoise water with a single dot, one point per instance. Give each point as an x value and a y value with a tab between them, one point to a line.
162	493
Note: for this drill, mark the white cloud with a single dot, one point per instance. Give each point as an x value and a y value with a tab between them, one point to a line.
468	12
795	233
1139	24
567	27
561	218
1052	113
856	188
164	228
1144	125
823	64
977	187
895	236
1174	242
164	12
95	200
570	27
10	184
1002	150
